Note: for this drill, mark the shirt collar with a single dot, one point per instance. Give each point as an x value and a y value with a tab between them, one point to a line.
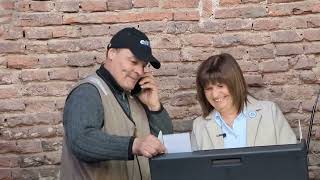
103	73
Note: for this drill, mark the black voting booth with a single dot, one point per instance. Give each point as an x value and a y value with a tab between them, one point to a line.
277	162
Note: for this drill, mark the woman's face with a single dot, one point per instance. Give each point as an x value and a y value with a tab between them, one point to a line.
219	97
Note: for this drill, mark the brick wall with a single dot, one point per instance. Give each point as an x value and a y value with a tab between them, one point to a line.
47	45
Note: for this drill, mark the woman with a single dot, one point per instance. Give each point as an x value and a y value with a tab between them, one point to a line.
231	117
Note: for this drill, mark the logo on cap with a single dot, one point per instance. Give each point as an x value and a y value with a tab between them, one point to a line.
145	42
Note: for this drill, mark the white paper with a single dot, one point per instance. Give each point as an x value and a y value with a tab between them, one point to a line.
176	143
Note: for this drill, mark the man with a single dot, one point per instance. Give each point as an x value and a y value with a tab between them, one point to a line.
109	131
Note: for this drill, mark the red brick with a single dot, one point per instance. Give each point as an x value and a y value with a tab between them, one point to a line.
8	162
31	161
207	10
153	26
225	40
286	36
167	83
292	23
277	78
22	173
9	77
213	26
253	80
184	99
313	21
165	55
51	144
307	105
294	8
186	16
67	6
238	24
311	48
66	31
38	47
187	69
297	92
237	52
197	40
41	6
45	118
145	3
116	17
288	49
94	6
39	105
166	41
196	53
241	12
11	47
63	45
22	5
8	147
53	158
169	4
278	65
311	34
229	2
119	5
253	39
11	105
302	62
64	74
42	131
7	92
265	24
80	59
11	33
21	61
7	5
30	146
186	83
60	104
307	76
5	174
38	32
47	89
260	52
248	66
281	1
93	43
52	60
85	71
288	106
145	16
38	19
167	69
94	30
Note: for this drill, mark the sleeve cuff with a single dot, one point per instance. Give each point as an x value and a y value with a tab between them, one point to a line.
130	154
157	112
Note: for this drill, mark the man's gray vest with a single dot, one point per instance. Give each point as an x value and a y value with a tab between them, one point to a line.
116	122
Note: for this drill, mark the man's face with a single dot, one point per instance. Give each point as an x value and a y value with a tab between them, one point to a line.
125	67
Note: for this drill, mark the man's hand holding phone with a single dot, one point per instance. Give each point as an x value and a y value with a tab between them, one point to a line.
149	94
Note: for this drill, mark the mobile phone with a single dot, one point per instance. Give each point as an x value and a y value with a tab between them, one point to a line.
137	88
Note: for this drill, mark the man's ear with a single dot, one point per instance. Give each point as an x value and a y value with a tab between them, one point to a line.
111	53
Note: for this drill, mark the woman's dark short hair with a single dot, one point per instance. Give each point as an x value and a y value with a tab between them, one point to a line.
224	69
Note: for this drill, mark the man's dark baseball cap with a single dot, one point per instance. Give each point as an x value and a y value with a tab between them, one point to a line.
137	42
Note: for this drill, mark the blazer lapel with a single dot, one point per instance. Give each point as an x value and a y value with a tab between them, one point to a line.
213	131
253	115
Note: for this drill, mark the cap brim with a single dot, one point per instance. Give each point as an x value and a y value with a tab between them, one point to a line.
154	62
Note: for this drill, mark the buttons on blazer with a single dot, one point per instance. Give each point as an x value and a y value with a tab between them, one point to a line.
252	114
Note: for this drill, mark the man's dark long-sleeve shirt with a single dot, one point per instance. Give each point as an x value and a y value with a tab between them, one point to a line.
84	117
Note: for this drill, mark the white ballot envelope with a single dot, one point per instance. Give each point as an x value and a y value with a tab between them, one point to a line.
176	143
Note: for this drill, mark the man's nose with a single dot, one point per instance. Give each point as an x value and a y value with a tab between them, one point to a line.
140	70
